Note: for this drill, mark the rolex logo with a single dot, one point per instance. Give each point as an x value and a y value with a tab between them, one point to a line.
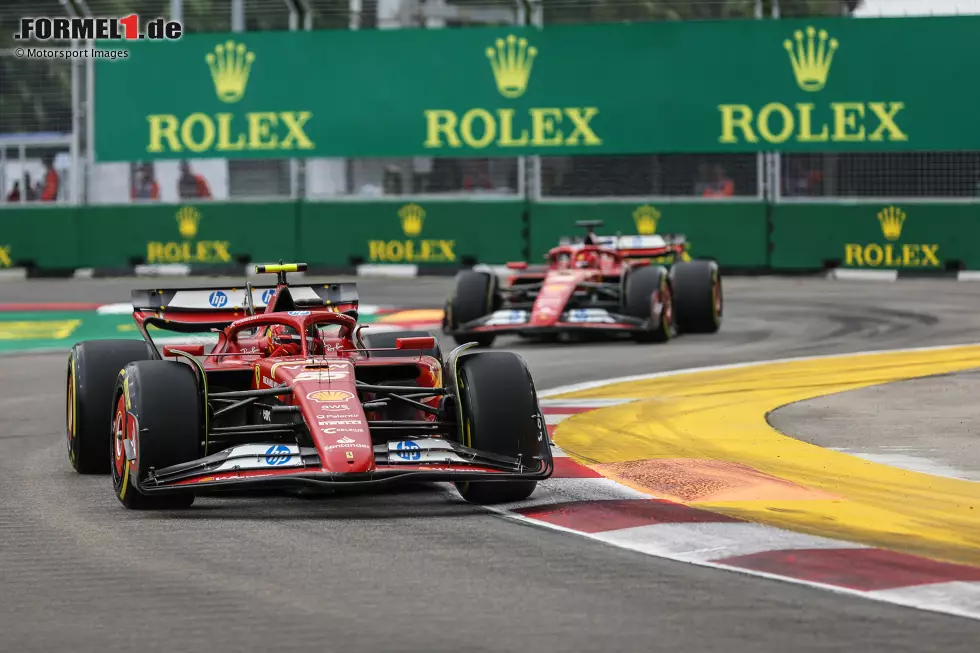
811	58
891	218
511	62
646	218
230	64
412	217
187	219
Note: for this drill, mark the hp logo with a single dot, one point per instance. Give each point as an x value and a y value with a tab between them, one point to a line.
278	455
267	295
217	299
409	451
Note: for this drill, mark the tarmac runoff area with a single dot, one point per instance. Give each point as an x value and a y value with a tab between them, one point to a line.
929	425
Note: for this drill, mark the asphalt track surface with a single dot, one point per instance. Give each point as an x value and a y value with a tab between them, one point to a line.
853	421
418	570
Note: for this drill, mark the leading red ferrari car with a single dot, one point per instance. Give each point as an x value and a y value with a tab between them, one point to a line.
292	395
647	287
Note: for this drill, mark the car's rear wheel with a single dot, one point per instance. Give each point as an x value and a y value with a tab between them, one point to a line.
158	412
472	298
698	300
92	370
500	415
648	296
386	340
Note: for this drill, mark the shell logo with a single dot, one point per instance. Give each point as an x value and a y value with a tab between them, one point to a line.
330	395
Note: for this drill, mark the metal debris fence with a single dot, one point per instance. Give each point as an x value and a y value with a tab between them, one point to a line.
46	112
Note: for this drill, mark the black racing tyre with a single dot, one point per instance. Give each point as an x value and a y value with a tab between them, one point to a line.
501	415
648	295
158	409
472	298
698	300
93	366
386	340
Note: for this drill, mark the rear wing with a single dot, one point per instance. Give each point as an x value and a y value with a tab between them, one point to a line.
229	304
656	245
619	241
645	246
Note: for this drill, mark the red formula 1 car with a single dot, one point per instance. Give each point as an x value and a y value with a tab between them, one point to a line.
644	286
292	395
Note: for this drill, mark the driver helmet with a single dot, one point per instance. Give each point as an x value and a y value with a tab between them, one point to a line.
280	336
586	259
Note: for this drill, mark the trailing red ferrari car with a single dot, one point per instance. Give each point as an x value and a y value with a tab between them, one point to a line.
293	395
647	287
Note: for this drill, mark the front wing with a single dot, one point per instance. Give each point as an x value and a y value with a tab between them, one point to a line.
272	466
569	321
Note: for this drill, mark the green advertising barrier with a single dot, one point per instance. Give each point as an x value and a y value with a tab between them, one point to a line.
205	233
822	85
915	236
908	236
41	236
734	234
420	233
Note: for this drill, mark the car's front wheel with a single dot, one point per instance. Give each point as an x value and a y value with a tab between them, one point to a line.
501	416
157	423
648	296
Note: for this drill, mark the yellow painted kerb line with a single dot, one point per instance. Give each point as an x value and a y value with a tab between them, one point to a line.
720	415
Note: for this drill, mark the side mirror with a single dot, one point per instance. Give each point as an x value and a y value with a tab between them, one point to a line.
193	350
517	265
420	343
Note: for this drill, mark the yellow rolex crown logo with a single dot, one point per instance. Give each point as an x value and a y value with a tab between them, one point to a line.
511	62
891	218
230	64
187	219
646	218
412	217
811	57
